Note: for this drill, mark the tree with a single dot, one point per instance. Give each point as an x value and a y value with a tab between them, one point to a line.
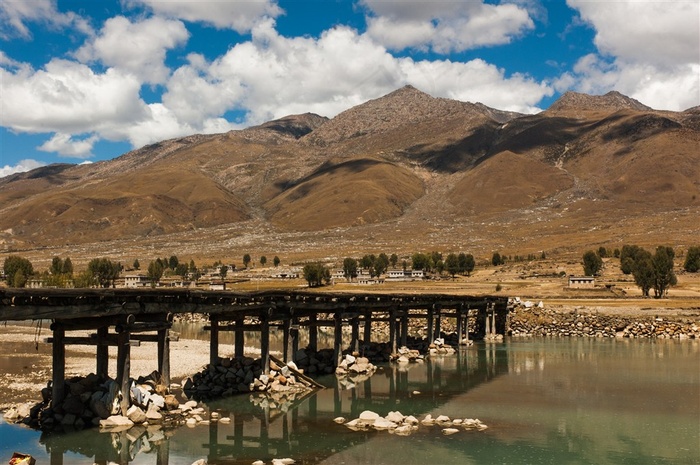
664	277
136	264
263	260
12	265
643	271
276	261
316	274
592	263
420	261
393	259
350	268
181	269
381	264
104	271
246	260
19	279
452	264
56	266
497	259
602	252
155	271
173	262
466	263
692	260
68	267
367	261
628	256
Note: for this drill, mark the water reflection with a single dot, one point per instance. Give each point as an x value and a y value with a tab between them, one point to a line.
572	401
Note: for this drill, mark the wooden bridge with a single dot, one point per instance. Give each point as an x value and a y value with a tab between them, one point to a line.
127	317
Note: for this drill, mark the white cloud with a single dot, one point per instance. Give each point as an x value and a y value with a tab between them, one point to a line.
647	50
14	14
444	26
21	167
663	33
68	97
239	15
136	47
67	146
274	76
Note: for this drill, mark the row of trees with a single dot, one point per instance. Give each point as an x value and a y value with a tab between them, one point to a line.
649	271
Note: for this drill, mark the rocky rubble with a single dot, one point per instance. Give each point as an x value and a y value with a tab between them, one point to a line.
402	425
239	375
540	321
92	401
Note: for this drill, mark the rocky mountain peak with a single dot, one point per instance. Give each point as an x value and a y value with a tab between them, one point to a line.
610	102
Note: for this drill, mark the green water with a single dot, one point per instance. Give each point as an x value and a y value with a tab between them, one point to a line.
568	401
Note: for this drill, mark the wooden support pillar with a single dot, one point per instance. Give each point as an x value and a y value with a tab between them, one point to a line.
404	328
56	455
164	357
430	325
294	336
265	345
59	368
124	369
355	341
368	328
437	321
458	325
213	342
163	457
102	368
239	344
313	332
392	330
286	349
338	339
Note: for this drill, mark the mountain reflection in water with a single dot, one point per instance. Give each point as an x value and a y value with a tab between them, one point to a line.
545	401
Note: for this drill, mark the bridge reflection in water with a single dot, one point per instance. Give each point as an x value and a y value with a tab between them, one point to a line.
303	430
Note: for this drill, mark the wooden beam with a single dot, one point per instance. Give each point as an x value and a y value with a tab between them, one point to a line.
58	367
93	340
265	346
239	343
164	356
213	343
102	355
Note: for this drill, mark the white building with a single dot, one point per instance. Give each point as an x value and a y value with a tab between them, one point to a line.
136	280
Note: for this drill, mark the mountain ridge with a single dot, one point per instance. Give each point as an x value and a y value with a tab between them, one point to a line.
398	169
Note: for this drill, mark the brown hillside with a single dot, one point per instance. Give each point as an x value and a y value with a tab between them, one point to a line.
400	173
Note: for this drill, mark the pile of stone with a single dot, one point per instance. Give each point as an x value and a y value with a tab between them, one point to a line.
538	321
352	366
438	347
405	355
92	401
238	375
315	363
402	425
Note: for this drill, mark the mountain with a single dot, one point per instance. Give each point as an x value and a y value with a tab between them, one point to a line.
400	173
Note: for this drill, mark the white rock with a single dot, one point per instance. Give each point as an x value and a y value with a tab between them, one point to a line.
382	423
404	430
443	419
428	420
191	422
115	421
339	420
258	462
411	420
395	417
449	431
369	416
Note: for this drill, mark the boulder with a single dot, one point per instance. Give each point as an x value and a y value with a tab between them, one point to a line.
136	415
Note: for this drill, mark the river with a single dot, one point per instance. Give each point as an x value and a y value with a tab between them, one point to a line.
545	401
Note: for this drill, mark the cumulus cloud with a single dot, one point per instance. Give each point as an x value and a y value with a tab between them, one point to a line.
239	15
327	75
137	47
21	167
654	57
15	14
67	146
69	98
444	26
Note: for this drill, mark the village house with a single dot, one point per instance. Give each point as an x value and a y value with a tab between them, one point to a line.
405	275
136	281
581	282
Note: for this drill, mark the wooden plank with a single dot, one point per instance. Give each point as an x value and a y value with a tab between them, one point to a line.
92	340
298	374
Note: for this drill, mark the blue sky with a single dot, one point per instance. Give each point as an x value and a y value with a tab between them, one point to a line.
86	80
